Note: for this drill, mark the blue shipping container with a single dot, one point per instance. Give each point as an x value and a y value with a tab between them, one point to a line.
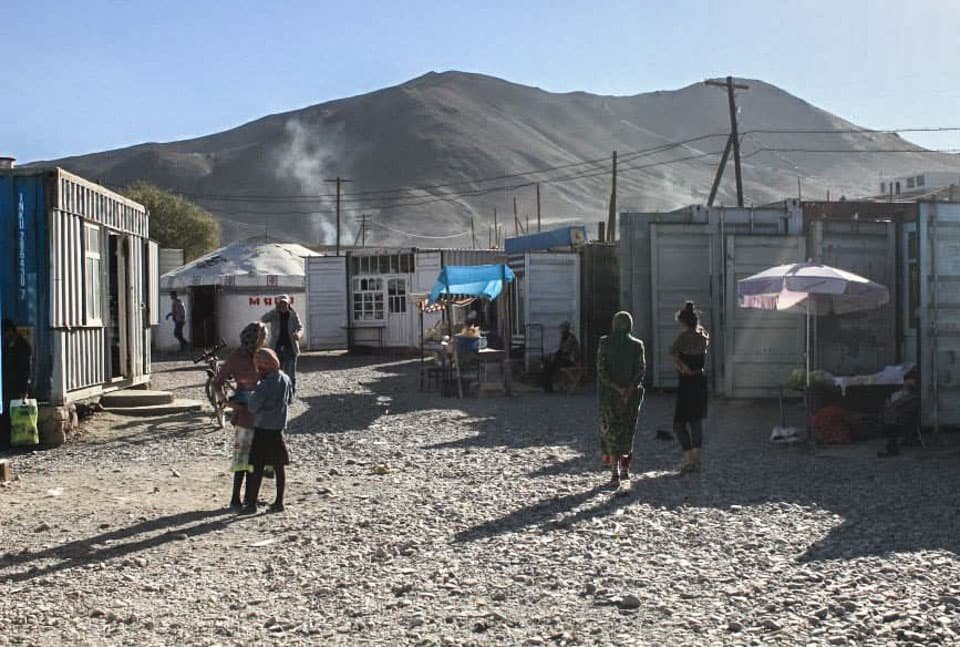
25	271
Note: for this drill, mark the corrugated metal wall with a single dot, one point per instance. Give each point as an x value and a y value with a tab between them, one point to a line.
687	262
939	325
864	342
600	297
82	355
760	348
82	350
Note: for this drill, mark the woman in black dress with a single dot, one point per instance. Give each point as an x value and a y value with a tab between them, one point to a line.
689	353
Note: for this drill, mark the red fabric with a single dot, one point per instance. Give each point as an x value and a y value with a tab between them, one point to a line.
831	426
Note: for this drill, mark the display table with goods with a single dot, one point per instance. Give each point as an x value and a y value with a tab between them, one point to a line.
845	409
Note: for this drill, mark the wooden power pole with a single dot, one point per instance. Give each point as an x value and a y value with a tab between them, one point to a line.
538	206
612	215
340	181
516	218
734	132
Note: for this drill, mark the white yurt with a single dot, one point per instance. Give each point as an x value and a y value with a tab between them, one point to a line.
229	287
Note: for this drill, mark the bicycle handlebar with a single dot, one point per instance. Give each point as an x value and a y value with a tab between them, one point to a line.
210	354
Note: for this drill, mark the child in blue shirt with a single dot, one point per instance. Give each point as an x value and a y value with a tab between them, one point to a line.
268	402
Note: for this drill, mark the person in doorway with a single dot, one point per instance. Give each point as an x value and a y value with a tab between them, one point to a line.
689	353
901	415
179	315
285	331
17	371
240	367
568	354
621	364
268	403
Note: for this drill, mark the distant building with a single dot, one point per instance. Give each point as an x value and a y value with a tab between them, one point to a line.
924	181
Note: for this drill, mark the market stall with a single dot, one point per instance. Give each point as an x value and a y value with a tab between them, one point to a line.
463	349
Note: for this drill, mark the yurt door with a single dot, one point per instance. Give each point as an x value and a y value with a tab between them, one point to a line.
398	323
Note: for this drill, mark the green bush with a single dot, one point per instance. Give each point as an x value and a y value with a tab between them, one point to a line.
176	222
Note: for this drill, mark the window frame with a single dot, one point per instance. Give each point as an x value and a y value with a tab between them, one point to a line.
367	298
93	301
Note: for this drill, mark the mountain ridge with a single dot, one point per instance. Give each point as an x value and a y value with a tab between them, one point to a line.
455	128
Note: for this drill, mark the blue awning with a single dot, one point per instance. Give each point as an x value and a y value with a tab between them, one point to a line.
471	280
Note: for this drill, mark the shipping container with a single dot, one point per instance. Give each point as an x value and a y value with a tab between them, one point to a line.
544	294
600	297
938	312
80	282
669	258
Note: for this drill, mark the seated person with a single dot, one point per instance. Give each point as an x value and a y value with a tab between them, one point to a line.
901	414
568	354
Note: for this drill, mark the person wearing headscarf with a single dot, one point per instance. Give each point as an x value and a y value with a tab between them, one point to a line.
621	364
689	354
239	367
269	403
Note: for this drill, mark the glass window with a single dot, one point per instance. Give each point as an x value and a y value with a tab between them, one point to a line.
920	180
397	292
93	274
367	299
909	182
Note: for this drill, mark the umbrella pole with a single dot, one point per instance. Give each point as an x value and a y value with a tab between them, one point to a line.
806	398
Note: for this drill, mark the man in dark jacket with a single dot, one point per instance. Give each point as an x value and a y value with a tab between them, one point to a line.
17	370
285	332
568	354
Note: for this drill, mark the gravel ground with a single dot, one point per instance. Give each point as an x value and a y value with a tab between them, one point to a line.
415	519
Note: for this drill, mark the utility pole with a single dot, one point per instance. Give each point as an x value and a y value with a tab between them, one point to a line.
473	233
723	164
734	133
516	218
538	206
363	230
496	229
340	181
799	190
612	215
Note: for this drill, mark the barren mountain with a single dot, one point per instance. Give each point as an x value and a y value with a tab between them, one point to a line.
484	141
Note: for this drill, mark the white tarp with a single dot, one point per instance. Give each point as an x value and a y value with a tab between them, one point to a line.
244	264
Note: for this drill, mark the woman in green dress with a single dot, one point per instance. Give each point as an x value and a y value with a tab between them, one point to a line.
620	369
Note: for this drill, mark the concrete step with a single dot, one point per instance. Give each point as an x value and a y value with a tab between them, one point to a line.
135	398
155	410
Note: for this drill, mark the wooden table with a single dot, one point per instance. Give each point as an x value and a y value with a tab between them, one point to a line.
486	356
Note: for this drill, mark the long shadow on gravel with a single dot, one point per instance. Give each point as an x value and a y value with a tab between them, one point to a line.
176	527
904	505
537	514
158	430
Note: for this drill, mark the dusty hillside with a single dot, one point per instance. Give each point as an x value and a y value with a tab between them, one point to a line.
454	128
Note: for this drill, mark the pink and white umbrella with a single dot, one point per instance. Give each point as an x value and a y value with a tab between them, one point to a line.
810	289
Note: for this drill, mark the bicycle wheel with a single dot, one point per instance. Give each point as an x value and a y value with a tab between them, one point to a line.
214	400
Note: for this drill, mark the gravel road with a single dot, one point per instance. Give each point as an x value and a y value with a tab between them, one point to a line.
419	520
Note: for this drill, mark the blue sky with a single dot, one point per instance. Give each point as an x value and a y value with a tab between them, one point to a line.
87	76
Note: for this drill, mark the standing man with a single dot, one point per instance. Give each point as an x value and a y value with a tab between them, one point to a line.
179	315
568	354
285	331
17	370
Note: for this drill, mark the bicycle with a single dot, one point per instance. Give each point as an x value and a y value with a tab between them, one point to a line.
216	395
